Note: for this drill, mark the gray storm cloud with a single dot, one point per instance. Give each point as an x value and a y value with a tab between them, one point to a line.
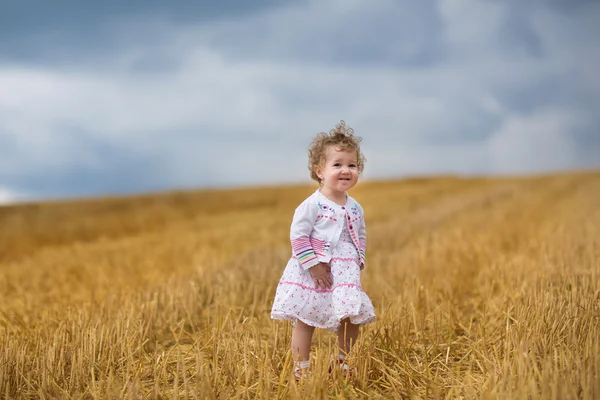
487	88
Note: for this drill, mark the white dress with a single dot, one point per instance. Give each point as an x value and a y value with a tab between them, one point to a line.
296	296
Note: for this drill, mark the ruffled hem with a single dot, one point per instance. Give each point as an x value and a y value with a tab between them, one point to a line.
354	318
326	312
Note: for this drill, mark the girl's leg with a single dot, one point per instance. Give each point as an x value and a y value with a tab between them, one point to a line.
301	339
347	335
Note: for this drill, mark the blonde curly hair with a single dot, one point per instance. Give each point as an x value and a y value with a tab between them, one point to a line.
342	137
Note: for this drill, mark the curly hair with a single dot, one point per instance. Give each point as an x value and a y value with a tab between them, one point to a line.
342	137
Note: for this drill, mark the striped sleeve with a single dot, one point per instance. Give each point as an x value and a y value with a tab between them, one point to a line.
300	231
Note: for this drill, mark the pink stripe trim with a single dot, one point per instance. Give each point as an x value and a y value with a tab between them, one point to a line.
321	290
301	239
301	244
335	258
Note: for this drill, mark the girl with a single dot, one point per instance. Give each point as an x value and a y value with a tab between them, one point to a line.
320	286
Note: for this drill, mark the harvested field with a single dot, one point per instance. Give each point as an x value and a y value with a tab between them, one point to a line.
484	288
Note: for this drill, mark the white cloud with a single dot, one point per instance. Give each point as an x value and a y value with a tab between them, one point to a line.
534	143
8	197
217	116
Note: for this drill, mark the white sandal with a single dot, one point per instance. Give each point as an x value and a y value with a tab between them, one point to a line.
302	370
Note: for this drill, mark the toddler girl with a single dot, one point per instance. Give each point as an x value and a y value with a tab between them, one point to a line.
320	286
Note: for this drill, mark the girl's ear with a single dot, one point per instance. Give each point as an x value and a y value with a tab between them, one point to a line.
318	171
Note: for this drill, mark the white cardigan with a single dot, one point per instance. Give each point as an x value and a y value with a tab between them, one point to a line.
317	225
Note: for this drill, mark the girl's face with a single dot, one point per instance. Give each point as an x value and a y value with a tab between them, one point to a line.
340	170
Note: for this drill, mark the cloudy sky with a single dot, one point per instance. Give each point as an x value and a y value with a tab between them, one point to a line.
114	97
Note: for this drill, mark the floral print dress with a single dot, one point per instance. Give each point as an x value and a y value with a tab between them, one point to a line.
298	299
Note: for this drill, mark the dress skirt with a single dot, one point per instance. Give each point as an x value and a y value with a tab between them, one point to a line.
298	299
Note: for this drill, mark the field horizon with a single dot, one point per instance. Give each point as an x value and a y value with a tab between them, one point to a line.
484	287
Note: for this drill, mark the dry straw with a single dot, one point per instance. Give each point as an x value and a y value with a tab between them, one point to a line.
483	289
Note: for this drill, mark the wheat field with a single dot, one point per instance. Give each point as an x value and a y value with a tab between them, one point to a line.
483	288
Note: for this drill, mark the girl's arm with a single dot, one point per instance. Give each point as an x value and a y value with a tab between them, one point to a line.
301	229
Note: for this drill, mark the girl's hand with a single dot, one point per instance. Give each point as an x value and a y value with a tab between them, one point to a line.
321	274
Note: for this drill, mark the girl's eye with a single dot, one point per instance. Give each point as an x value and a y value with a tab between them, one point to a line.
337	164
352	166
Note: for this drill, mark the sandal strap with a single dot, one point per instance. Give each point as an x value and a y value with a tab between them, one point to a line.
301	372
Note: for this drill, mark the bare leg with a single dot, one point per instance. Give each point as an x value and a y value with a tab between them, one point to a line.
301	339
347	335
